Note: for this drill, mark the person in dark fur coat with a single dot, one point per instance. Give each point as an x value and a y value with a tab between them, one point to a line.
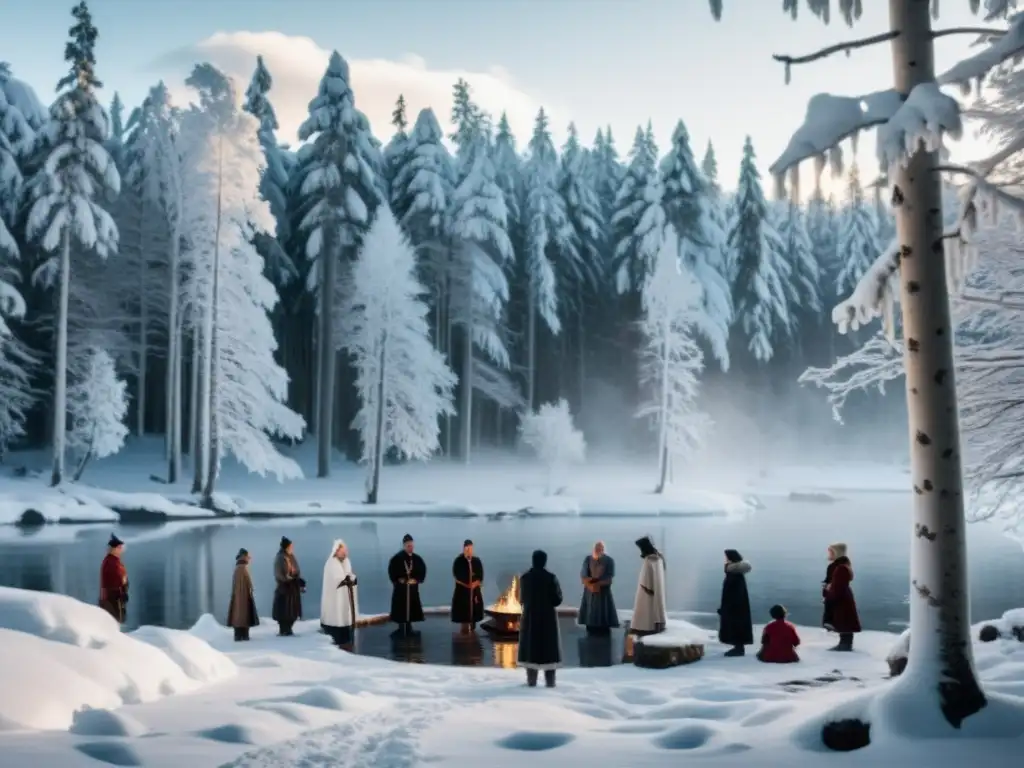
735	627
540	641
242	608
287	607
468	597
840	610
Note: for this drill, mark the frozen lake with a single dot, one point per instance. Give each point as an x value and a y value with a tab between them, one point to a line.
177	574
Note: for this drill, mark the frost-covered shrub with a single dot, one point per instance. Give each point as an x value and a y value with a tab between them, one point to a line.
552	436
97	405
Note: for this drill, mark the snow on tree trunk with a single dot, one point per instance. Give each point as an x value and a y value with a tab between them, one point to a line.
326	362
60	374
213	396
173	386
663	421
193	399
466	404
941	659
378	448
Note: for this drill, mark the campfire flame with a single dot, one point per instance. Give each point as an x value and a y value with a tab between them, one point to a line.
509	600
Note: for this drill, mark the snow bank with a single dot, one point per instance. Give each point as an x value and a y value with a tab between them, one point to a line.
677	634
61	656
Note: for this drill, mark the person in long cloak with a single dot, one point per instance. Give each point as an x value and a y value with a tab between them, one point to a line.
288	592
840	606
540	640
649	613
468	598
114	581
597	608
407	571
339	599
735	626
242	607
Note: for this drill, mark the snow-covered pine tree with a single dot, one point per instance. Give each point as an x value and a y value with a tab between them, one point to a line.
396	148
404	384
857	246
242	389
115	144
274	183
759	294
551	434
671	359
508	173
481	251
67	190
608	172
154	170
690	207
550	243
420	195
583	208
342	186
97	406
638	220
803	280
16	395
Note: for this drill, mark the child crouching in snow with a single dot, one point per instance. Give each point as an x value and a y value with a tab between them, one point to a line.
779	639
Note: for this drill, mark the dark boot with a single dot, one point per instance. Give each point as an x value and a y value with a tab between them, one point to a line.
245	633
736	650
284	628
549	678
845	642
239	634
531	678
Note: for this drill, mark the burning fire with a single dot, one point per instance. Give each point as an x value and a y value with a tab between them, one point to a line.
509	600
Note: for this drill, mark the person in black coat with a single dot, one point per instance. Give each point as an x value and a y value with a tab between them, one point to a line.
407	571
468	599
735	627
540	642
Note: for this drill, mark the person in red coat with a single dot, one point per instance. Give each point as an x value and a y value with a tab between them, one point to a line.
114	581
840	614
779	640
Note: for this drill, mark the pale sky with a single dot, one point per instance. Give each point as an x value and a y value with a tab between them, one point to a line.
597	62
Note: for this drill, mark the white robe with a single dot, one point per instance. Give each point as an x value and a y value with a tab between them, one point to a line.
649	614
335	608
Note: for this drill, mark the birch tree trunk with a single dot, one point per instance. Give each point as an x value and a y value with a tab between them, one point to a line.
378	437
941	659
60	373
325	360
172	396
449	347
140	403
466	406
193	416
213	452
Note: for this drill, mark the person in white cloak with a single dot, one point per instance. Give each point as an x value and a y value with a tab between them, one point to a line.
339	600
649	614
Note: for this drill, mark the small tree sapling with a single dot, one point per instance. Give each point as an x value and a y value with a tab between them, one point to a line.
552	436
97	406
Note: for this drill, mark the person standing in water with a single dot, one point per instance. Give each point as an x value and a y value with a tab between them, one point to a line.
649	613
407	571
242	607
468	599
114	581
339	599
597	609
288	592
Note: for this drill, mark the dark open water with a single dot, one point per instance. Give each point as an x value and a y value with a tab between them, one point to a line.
179	573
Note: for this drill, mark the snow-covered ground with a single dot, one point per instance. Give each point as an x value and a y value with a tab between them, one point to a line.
76	692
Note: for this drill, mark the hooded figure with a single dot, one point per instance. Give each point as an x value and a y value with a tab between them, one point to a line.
649	613
840	610
339	599
288	592
114	581
540	642
242	608
735	627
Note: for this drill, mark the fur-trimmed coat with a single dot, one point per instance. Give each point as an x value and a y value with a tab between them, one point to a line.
242	608
734	624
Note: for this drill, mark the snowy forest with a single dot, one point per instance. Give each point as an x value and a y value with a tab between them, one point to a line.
177	270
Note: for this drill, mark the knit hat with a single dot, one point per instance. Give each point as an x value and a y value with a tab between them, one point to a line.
838	549
406	539
467	543
285	542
